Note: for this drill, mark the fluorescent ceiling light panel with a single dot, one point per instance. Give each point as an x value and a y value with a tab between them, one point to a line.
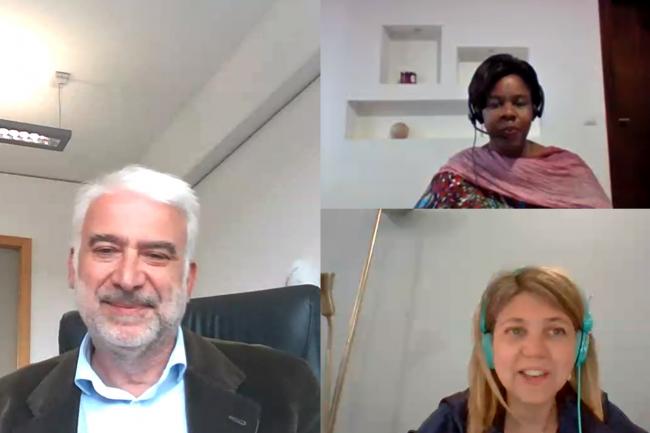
26	134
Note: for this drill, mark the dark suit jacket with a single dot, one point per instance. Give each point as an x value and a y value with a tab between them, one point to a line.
229	388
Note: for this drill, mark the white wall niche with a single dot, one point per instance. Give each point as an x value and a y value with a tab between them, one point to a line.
426	119
469	59
411	48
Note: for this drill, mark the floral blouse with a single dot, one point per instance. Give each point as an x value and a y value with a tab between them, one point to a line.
449	190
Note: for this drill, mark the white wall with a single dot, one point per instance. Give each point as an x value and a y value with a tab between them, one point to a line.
393	174
430	268
260	212
275	60
277	168
42	210
260	209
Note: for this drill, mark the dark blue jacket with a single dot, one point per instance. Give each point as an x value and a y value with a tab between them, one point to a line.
451	416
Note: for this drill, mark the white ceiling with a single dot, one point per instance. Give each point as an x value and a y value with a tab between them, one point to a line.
134	64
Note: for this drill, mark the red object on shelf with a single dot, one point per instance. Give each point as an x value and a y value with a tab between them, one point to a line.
408	77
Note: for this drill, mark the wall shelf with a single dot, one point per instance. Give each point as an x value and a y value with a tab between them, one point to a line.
426	119
443	114
411	48
469	58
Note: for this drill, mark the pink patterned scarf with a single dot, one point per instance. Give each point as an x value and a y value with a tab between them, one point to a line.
556	179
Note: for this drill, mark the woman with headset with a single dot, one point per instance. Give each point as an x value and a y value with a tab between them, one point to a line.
533	360
510	170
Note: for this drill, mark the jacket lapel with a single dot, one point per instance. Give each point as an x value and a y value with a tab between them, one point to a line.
211	401
211	409
55	401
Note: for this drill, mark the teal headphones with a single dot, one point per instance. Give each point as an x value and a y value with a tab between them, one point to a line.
582	337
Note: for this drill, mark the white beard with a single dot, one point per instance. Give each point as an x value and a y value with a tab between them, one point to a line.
123	332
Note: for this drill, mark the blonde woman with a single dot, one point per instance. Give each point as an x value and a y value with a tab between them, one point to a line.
534	357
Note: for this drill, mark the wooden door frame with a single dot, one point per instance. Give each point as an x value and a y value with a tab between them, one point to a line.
24	248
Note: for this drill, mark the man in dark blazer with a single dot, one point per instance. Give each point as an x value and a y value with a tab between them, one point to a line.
132	270
231	387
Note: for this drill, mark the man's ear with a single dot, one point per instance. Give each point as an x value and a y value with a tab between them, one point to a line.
72	274
191	279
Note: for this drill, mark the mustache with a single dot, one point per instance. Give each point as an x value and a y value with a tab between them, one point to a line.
134	299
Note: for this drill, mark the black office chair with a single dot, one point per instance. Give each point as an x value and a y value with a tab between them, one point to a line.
286	318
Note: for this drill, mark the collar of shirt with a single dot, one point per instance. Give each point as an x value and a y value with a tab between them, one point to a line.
92	385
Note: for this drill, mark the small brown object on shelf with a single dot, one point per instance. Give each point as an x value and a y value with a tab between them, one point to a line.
399	130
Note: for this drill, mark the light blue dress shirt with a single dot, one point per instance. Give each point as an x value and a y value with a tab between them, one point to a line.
160	409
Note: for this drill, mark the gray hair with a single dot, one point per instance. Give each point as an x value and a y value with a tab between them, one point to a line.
157	186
